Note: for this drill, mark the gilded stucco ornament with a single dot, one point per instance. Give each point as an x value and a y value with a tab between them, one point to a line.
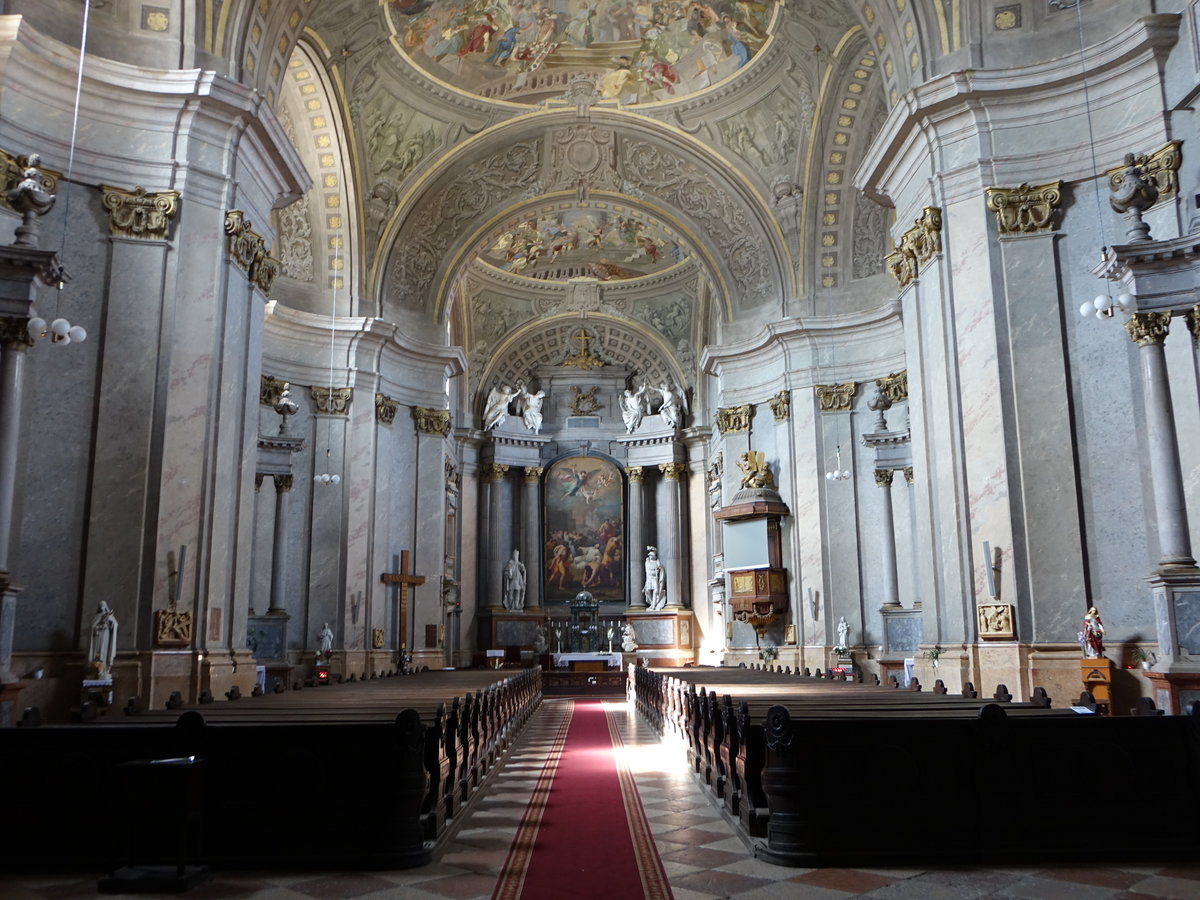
883	477
673	471
385	408
1162	166
635	474
755	471
331	402
1025	209
139	213
493	472
835	397
917	246
1148	328
12	171
781	405
431	421
249	252
271	389
894	386
734	419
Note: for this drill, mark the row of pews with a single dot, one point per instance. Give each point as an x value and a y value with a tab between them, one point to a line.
819	770
353	775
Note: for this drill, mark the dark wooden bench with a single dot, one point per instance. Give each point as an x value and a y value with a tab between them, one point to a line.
795	758
361	775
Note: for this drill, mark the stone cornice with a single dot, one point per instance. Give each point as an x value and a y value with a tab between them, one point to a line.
1012	96
119	99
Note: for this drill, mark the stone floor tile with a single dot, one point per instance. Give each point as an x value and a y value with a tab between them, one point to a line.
1035	888
700	856
1164	886
1110	878
721	884
340	886
783	890
850	880
461	887
732	844
761	869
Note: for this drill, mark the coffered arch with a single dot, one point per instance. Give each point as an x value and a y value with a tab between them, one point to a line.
557	153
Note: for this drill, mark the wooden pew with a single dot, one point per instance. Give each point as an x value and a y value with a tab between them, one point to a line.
360	775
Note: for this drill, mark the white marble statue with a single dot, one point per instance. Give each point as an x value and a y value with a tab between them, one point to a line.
495	410
633	405
514	582
843	631
628	638
326	636
671	410
531	410
655	588
539	640
102	649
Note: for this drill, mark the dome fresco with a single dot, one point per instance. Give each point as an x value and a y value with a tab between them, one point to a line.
636	50
608	245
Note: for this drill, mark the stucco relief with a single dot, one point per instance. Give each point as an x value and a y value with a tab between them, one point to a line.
767	135
692	190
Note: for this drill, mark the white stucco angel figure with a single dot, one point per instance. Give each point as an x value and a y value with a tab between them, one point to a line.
495	410
673	405
633	407
531	409
628	638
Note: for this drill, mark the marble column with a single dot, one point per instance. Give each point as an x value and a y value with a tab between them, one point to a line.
531	541
635	539
499	536
14	341
283	490
1148	331
672	527
891	586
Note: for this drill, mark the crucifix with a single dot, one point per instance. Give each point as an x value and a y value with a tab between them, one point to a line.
584	339
403	580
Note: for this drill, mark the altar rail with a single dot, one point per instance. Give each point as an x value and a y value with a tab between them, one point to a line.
359	775
821	772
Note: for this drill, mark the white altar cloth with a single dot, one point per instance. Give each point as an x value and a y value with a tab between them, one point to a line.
562	660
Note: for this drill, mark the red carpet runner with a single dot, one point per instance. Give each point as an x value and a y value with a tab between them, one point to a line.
584	834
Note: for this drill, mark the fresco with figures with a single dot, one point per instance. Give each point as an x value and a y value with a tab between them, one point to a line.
584	547
583	242
638	51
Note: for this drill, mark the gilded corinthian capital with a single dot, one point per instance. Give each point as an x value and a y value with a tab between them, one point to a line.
834	397
1148	328
139	213
432	421
1025	209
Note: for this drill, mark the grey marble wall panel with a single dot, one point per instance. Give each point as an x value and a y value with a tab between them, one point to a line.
1187	621
510	633
654	631
903	634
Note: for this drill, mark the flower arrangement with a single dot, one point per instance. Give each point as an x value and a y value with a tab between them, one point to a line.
933	654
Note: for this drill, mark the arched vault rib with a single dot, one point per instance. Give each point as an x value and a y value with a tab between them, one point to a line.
555	150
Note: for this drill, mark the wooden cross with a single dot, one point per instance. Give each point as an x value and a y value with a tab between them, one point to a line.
403	579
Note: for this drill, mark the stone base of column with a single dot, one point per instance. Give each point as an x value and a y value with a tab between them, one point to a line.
1174	692
1176	595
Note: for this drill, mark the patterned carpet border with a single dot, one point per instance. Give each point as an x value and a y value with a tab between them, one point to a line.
512	878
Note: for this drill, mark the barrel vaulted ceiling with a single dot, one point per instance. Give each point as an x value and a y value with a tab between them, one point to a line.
672	168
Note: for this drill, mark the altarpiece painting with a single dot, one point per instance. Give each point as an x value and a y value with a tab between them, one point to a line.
584	520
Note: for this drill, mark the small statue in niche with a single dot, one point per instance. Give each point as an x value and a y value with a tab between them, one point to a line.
655	588
1091	639
514	582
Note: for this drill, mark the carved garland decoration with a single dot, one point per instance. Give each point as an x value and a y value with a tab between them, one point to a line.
270	390
335	402
138	213
835	397
917	246
894	387
1026	208
781	405
1162	165
385	408
249	251
431	421
734	419
585	403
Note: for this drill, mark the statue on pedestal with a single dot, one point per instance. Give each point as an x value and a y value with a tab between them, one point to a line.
495	410
671	410
102	649
633	408
1091	639
628	638
514	582
326	636
843	631
655	588
531	410
539	640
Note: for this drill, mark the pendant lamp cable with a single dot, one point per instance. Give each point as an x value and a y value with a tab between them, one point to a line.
62	252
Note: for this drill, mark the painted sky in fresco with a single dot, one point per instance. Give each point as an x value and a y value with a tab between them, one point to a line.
638	51
607	245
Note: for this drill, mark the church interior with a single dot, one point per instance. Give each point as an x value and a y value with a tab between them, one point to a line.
348	338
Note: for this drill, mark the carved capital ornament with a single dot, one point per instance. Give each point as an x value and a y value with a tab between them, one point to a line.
636	474
385	408
249	251
331	401
781	405
673	471
894	387
494	472
917	246
883	477
1162	166
1025	209
270	390
835	397
432	421
139	213
1148	328
734	419
533	474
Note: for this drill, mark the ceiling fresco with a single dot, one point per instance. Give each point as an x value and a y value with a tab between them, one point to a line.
638	51
593	243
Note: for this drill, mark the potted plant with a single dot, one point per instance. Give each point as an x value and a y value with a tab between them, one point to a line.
1143	656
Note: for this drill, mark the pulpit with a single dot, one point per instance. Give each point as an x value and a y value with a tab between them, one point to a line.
754	553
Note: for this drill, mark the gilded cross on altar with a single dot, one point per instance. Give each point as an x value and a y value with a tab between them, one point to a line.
403	579
584	359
